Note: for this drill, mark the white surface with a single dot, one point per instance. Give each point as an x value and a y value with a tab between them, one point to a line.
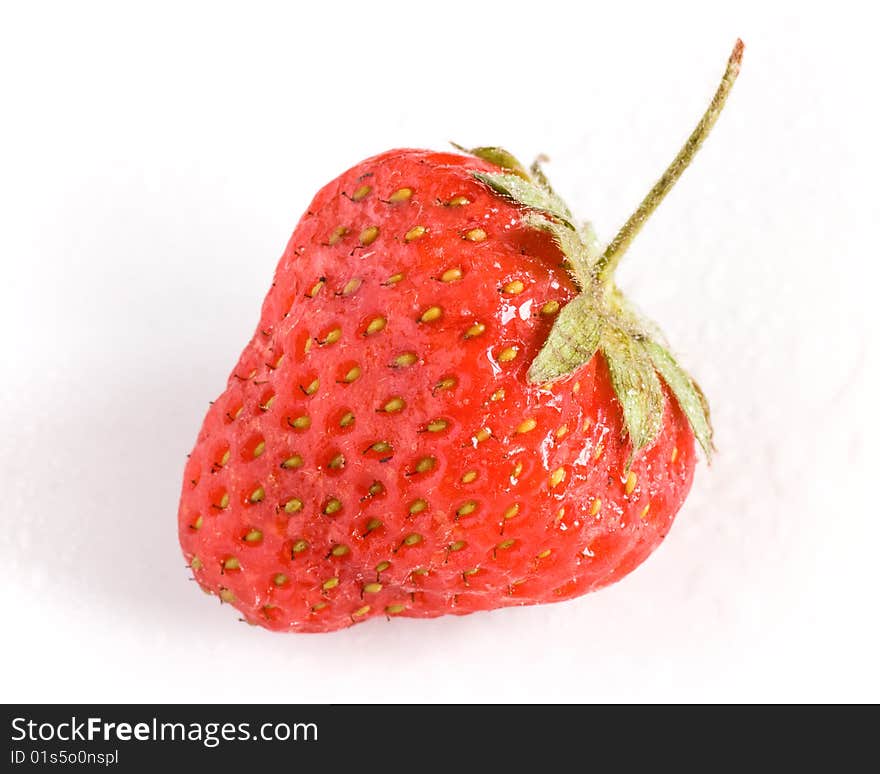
153	166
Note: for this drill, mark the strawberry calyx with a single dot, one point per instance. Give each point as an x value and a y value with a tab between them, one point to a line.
600	318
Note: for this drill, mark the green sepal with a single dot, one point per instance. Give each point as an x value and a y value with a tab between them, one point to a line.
497	156
527	193
636	386
568	242
688	394
573	341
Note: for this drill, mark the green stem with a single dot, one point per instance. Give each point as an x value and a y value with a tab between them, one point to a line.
606	265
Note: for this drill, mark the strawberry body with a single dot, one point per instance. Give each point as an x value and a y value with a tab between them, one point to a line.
379	451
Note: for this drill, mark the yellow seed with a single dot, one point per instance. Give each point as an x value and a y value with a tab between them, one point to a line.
576	388
420	571
227	596
259	448
645	510
506	544
562	431
395	609
373	524
312	387
458	545
476	235
382	566
332	337
587	423
466	508
458	201
431	314
417	506
446	383
302	422
437	425
330	583
551	307
412	539
507	354
333	506
483	435
307	346
318	606
472	571
557	477
372	588
376	324
361	611
376	488
224	500
631	480
400	195
299	546
451	275
351	286
361	193
231	564
337	462
339	550
511	511
560	514
368	235
280	579
394	279
600	447
527	425
596	506
544	554
468	477
393	405
316	288
674	454
225	458
268	403
353	374
517	469
197	524
346	419
414	233
475	330
381	447
514	288
497	395
257	495
406	359
196	563
425	464
294	461
254	536
337	234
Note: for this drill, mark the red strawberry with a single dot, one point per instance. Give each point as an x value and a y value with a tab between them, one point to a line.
447	406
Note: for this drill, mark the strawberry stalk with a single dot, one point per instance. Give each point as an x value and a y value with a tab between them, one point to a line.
601	319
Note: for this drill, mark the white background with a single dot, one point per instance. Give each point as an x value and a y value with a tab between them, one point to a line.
154	163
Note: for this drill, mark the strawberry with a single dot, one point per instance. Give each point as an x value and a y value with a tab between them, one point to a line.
447	405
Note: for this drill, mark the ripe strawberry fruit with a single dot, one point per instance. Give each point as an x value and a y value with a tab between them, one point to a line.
447	405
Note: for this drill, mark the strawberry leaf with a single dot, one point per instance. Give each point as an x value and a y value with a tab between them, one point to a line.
527	193
636	385
687	393
498	156
572	342
569	243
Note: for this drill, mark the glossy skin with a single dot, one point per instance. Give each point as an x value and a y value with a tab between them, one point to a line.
499	512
